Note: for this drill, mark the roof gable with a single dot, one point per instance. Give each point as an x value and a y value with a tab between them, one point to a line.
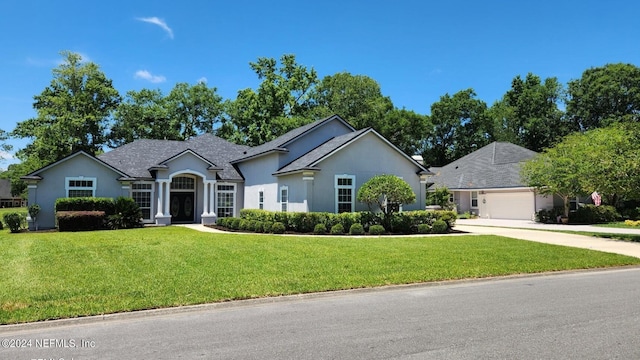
313	158
280	143
35	175
496	165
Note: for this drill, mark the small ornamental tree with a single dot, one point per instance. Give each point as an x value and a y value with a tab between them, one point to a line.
387	193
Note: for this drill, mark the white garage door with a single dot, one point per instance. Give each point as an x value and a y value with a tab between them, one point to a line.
509	205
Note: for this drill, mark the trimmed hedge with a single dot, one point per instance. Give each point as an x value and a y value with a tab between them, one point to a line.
337	229
439	227
81	220
86	204
408	222
356	229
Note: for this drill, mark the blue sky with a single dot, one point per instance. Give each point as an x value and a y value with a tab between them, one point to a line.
416	50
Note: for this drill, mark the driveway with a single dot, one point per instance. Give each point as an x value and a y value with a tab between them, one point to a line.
547	233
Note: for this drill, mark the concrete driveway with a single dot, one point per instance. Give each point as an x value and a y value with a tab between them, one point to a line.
547	233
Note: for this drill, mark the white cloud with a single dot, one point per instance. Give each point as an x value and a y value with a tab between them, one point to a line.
156	21
145	75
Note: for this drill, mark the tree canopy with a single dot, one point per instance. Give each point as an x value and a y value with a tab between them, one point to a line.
386	193
604	95
73	113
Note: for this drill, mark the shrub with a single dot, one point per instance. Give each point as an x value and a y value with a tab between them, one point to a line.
15	221
222	222
34	210
278	228
356	229
424	228
127	214
549	216
1	226
266	226
320	229
235	223
86	204
591	214
632	222
81	220
402	223
244	225
337	229
439	227
376	230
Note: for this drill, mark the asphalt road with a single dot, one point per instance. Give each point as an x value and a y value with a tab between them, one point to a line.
584	315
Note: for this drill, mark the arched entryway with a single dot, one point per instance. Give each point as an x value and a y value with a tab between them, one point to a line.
182	199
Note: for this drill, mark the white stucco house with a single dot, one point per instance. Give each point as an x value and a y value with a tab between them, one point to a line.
487	183
317	167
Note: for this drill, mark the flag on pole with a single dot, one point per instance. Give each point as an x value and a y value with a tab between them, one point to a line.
597	199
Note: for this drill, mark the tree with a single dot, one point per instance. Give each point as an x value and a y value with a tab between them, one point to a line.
194	109
281	102
406	129
356	98
604	95
142	115
72	112
387	193
528	113
460	126
554	172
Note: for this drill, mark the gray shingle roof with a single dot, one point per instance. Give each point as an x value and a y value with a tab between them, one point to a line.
5	189
308	160
279	143
496	165
136	158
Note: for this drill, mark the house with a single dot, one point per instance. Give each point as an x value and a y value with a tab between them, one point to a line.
317	167
7	200
487	183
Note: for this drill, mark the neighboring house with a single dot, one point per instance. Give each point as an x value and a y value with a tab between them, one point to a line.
6	199
487	183
317	167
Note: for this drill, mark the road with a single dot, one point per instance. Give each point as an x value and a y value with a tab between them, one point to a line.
578	315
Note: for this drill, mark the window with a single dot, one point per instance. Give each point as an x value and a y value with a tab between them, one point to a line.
474	199
80	187
261	200
141	194
345	188
225	200
183	183
284	198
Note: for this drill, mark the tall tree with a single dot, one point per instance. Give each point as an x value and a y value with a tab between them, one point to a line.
72	112
280	103
460	126
406	129
142	115
356	98
528	114
194	109
604	95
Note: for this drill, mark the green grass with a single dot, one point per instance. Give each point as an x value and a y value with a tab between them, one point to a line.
59	275
612	236
617	224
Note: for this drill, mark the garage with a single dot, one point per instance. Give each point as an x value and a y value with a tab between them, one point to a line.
507	205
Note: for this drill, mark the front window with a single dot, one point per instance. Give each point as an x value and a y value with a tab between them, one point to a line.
284	198
183	183
225	200
345	188
474	199
141	194
261	200
80	187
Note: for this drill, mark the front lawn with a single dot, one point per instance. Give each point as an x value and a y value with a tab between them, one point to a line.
58	275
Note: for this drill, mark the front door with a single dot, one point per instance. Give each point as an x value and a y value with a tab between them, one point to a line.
182	207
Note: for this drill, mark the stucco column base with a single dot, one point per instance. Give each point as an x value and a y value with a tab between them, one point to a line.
163	220
209	219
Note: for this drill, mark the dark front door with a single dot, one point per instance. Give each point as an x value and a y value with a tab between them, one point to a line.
182	207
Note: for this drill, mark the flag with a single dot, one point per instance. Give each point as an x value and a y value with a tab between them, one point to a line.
597	199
